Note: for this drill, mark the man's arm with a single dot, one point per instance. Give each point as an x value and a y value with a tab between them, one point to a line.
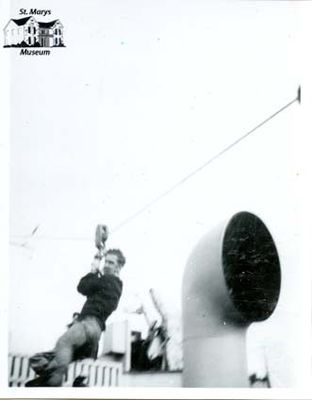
109	285
90	283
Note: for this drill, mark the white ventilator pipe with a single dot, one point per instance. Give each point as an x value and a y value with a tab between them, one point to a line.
232	278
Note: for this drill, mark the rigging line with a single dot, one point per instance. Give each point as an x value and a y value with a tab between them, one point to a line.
73	238
172	188
201	167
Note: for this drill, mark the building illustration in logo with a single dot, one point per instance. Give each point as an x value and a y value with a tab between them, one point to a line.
28	32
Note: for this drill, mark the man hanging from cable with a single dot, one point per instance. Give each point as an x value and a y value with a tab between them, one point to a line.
103	291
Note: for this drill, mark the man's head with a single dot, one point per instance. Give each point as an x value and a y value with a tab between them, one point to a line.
114	261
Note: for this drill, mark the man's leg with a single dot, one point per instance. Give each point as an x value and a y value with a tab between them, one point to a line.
74	337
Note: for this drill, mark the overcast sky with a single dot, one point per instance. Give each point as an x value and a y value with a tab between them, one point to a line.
143	94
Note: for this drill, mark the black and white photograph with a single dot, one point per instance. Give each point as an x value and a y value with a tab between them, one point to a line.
155	216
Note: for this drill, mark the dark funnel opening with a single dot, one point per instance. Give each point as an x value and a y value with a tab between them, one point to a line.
251	267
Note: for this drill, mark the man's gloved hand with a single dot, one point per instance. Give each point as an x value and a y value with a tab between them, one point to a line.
96	262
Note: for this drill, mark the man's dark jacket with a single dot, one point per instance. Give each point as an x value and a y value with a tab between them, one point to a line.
103	293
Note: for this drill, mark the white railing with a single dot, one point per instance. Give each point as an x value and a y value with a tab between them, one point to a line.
99	372
19	370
